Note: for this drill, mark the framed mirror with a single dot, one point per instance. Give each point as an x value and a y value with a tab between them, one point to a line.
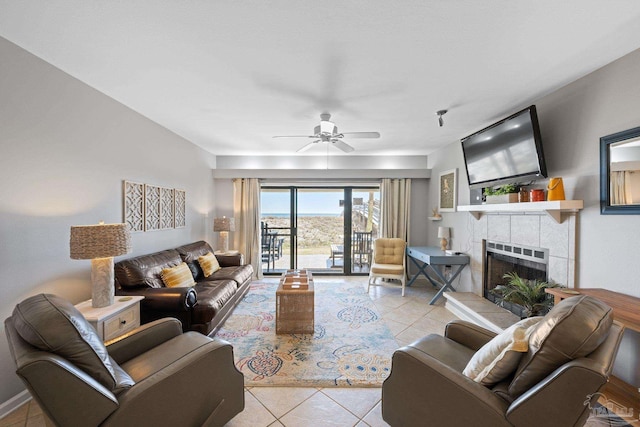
620	173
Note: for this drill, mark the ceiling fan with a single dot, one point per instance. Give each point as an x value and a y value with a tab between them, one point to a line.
327	132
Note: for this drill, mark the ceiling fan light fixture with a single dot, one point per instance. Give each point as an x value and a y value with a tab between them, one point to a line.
441	113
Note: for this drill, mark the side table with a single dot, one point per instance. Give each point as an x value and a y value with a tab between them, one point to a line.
295	303
112	321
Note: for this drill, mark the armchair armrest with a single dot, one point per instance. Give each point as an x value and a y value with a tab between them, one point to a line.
230	260
164	299
143	338
204	386
468	334
421	387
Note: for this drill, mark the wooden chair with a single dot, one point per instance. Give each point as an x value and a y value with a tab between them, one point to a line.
361	248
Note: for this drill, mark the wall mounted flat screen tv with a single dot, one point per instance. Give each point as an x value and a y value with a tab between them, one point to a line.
508	151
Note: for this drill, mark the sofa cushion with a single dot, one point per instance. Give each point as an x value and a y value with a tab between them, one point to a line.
177	277
572	329
209	264
145	270
499	358
53	324
190	254
239	274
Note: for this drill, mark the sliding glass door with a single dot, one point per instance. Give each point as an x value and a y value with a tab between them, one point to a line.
328	230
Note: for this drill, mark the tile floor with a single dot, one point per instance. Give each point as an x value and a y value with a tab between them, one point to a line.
408	318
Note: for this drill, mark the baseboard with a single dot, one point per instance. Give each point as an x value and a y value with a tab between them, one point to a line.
14	403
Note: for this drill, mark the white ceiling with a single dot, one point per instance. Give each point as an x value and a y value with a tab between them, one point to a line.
228	75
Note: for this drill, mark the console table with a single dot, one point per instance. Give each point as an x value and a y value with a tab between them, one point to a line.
433	259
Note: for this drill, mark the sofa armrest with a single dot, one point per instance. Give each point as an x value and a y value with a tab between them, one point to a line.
164	299
143	338
468	334
230	260
420	387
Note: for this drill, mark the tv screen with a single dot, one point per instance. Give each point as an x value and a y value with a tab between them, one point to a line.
508	151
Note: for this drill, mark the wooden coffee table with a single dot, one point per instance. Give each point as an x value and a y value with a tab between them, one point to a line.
295	303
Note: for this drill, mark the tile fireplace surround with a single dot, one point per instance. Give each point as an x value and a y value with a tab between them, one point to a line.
529	229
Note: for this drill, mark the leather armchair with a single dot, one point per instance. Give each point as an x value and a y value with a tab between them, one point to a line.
426	385
171	378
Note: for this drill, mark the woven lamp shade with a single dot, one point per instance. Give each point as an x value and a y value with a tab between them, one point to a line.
224	224
99	241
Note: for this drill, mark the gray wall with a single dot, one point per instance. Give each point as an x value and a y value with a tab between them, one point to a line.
572	121
65	149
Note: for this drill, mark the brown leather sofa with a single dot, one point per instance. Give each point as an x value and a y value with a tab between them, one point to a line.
200	308
154	376
570	357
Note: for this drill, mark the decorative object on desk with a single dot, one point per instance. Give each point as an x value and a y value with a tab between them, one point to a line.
224	225
443	235
537	195
100	243
447	194
530	294
555	189
505	194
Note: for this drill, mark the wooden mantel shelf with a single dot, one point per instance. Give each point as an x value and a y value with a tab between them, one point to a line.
553	208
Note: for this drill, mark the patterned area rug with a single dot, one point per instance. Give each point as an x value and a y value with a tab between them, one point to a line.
351	345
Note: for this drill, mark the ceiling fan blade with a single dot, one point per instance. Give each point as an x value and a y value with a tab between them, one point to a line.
306	147
342	145
362	134
294	136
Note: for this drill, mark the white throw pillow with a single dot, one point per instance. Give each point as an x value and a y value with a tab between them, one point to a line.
499	358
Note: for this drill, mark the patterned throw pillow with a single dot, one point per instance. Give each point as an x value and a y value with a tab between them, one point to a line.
209	264
178	276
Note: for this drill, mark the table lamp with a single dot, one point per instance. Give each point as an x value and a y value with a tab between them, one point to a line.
100	243
443	235
224	225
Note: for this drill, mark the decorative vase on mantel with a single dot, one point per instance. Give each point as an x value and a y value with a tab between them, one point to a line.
502	198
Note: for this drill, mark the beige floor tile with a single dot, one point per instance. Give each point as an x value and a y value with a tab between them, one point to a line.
359	401
319	410
441	314
254	414
280	400
429	325
403	316
276	424
395	327
410	335
374	417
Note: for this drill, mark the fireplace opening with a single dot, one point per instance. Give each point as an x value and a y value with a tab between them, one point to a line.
501	258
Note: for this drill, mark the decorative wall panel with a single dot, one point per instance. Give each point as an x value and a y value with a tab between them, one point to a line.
180	208
133	212
152	208
166	208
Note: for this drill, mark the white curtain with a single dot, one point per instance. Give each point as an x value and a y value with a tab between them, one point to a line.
246	211
395	197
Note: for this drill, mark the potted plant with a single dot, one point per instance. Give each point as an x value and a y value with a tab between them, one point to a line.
529	294
505	194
